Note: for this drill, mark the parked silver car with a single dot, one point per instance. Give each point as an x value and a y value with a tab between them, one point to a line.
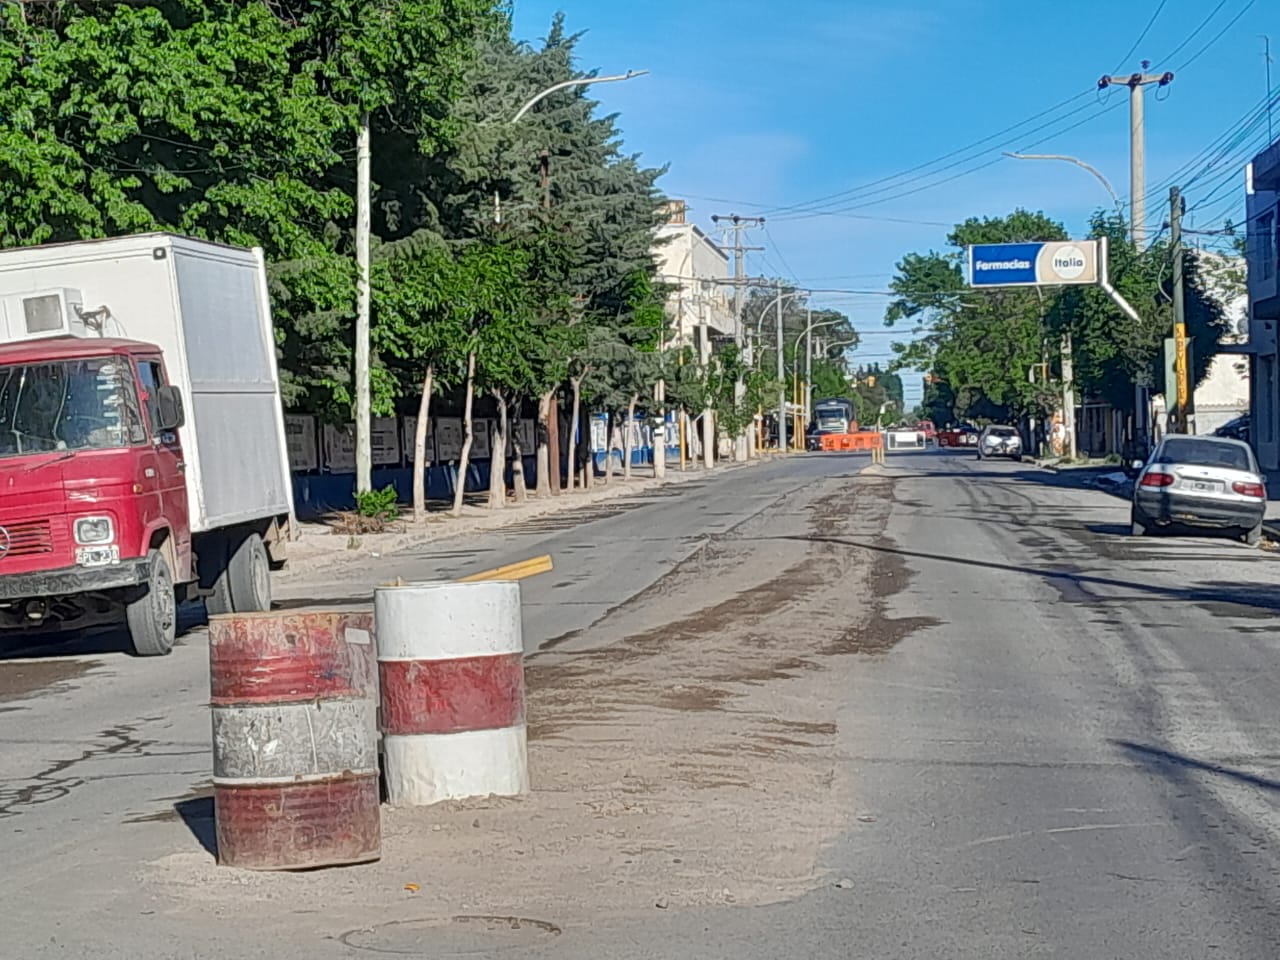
999	441
1209	482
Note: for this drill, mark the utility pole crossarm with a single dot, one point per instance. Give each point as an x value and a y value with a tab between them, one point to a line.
1137	82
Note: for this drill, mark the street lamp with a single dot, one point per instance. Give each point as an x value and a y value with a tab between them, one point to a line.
808	358
1079	163
554	88
782	369
1141	401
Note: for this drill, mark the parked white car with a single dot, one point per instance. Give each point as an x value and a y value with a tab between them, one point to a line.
1204	482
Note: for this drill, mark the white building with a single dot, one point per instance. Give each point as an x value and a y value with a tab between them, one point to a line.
698	269
1262	189
1223	394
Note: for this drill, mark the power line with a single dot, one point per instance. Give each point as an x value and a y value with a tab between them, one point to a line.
866	193
1142	36
778	250
1194	33
982	166
1218	36
1223	144
817	201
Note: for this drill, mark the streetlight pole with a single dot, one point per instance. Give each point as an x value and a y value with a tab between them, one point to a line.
781	365
555	88
807	336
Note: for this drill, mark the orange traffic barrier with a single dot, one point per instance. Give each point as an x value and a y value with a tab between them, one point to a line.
862	440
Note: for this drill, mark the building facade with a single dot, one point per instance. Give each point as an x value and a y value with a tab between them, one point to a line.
1262	189
698	270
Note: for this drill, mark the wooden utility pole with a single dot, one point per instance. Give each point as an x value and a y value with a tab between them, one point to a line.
1181	359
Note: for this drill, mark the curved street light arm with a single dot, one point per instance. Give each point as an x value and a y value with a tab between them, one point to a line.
1115	198
576	82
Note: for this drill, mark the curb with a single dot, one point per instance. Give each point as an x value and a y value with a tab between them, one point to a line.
315	559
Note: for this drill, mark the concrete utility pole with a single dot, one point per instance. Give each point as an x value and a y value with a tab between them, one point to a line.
782	384
741	448
1137	84
1181	364
704	357
364	420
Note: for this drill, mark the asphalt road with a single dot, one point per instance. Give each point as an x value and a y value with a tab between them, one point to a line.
1074	752
1067	746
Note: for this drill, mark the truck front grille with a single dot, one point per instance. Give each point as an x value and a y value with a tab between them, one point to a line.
24	539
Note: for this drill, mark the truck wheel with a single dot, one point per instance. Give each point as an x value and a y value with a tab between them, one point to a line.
249	576
213	571
153	616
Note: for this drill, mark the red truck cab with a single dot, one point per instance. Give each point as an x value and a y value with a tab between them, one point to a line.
93	500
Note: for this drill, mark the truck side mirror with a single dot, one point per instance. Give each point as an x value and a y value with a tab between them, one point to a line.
172	415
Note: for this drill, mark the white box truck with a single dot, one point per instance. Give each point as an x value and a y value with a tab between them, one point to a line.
143	458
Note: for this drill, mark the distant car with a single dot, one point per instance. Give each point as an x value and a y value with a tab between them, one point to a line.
1237	429
998	440
1208	482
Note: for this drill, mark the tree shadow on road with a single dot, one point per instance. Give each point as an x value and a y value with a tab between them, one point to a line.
1263	596
1161	760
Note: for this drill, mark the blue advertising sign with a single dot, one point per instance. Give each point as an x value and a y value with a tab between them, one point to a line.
1034	264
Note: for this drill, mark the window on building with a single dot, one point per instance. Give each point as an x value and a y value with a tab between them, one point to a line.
1267	246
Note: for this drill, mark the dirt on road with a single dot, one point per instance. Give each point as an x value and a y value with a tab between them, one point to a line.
682	749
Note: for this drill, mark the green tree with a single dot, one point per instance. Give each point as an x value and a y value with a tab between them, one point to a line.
981	342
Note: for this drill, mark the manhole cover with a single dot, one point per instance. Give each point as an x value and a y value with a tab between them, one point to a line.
450	936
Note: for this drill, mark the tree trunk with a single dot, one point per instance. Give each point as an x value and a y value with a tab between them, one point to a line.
575	444
629	432
547	442
610	440
498	458
464	461
420	447
554	475
517	456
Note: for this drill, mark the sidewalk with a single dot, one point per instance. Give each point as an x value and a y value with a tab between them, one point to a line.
320	546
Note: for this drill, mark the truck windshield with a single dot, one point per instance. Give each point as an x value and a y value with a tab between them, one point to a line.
67	405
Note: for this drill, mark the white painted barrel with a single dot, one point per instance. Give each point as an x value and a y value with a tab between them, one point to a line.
451	668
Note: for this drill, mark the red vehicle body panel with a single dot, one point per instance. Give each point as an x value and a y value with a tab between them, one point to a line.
140	487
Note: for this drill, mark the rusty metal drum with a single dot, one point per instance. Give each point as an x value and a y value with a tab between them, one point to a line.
295	753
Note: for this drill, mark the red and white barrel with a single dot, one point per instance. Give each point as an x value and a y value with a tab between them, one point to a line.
451	669
295	754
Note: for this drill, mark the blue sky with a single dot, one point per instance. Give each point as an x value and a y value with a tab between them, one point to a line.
759	105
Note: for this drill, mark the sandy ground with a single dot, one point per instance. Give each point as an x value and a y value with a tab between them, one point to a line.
682	750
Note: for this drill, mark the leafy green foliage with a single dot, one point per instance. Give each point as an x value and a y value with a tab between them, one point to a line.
378	505
236	121
986	348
